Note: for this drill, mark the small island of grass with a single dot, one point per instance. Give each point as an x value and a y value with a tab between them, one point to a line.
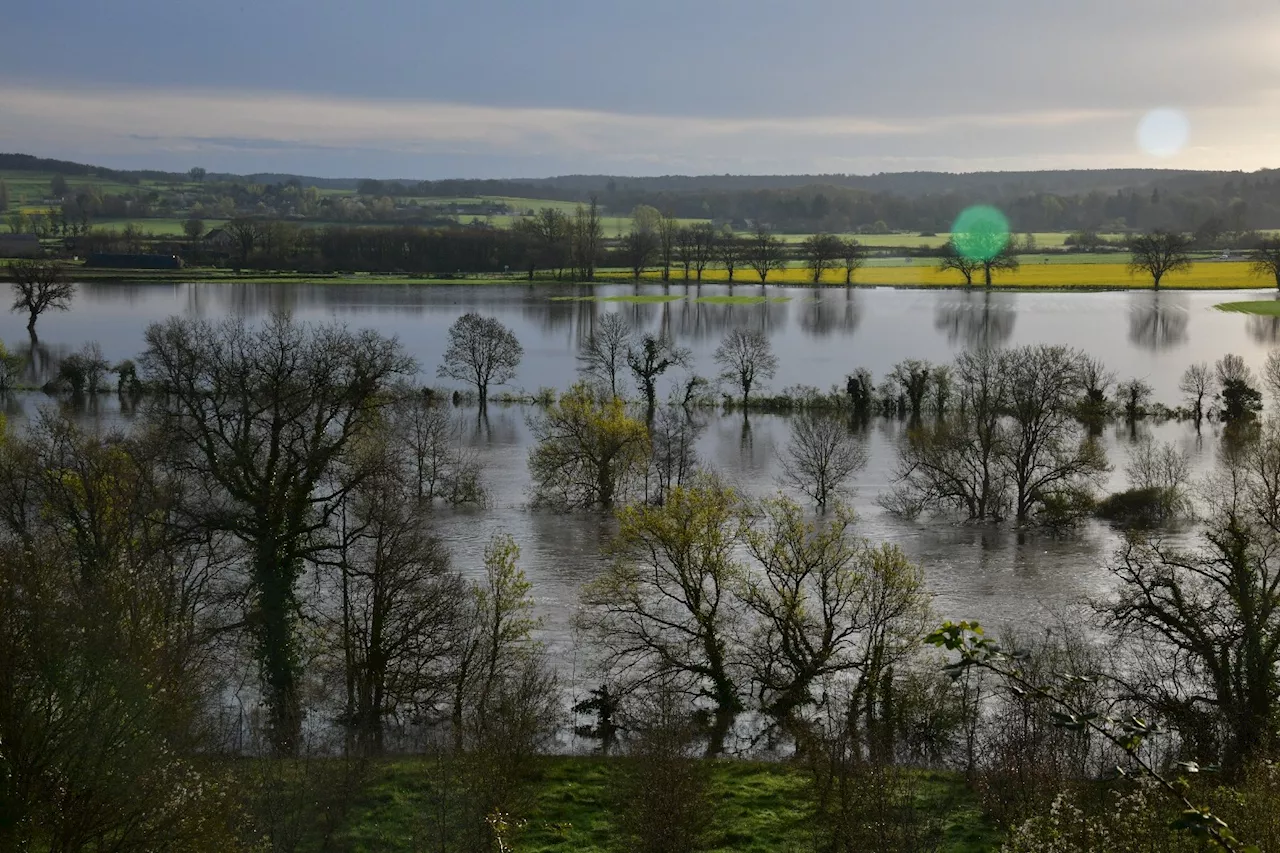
1265	307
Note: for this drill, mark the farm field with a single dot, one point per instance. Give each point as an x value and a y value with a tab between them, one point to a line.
1204	275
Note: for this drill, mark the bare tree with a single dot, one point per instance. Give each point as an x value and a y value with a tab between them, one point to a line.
585	237
686	249
431	440
260	417
854	256
705	244
391	607
730	253
673	460
764	252
39	286
1198	383
821	251
551	232
637	249
1264	261
746	359
653	357
1159	253
667	229
821	457
954	259
481	352
604	353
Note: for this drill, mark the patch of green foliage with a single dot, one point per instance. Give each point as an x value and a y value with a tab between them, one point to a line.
636	298
1267	308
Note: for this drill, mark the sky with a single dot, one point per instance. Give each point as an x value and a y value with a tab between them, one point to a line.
429	89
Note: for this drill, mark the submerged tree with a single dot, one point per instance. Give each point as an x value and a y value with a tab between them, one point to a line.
604	353
589	453
822	456
39	286
481	352
648	361
746	359
261	416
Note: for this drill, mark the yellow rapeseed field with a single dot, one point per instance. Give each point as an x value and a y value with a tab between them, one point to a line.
1204	275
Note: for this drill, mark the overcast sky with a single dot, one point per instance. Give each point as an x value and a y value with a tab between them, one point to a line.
507	88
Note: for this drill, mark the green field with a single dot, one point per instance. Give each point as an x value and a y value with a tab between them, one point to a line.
760	808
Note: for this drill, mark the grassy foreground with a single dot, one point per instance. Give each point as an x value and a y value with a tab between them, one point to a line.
762	808
1268	308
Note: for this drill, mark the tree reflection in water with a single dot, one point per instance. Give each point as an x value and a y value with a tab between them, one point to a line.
1158	321
826	311
976	319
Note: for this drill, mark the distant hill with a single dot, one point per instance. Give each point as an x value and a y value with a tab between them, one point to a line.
908	184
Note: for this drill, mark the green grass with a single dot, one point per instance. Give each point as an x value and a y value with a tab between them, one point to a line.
762	808
155	227
1268	308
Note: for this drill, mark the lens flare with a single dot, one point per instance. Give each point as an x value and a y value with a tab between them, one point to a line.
980	232
1163	132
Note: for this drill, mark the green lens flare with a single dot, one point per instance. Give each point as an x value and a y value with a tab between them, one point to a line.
980	232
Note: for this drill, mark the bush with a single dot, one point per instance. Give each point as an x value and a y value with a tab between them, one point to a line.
1146	507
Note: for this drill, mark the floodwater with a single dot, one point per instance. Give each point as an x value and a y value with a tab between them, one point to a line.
997	575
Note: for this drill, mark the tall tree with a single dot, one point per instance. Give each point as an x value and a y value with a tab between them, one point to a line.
1198	383
730	253
746	359
668	229
1264	261
821	457
821	251
1159	253
854	256
261	416
665	607
764	252
604	353
244	236
704	244
39	286
481	352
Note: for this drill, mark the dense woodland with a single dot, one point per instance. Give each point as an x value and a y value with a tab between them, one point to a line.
219	622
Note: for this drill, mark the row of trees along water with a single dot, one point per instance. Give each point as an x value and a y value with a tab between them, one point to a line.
263	534
564	246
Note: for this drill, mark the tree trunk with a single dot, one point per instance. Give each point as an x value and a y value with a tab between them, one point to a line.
274	617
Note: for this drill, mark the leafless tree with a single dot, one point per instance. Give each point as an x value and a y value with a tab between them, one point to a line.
431	442
585	237
1264	261
746	359
730	253
638	249
260	416
1159	253
39	286
604	353
1198	383
686	249
854	256
705	242
954	259
551	232
481	352
668	229
764	252
391	607
673	438
821	251
821	457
